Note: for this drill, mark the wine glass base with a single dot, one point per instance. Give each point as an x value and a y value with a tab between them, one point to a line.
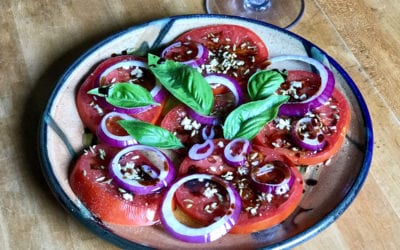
281	13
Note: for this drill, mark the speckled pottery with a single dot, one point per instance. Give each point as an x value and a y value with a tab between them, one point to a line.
328	189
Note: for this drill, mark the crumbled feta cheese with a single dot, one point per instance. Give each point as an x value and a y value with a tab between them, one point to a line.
137	72
228	176
265	197
127	196
283	123
102	154
242	170
296	84
100	179
210	191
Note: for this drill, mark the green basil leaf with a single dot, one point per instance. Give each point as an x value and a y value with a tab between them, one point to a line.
183	82
124	95
151	135
247	120
264	83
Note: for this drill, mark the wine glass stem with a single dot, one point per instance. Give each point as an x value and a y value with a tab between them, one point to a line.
257	5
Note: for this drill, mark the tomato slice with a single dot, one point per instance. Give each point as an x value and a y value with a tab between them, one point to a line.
92	184
235	50
182	52
114	127
310	84
186	129
333	115
258	211
191	201
91	109
213	164
200	203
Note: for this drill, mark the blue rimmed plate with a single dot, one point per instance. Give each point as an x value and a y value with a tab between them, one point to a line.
337	183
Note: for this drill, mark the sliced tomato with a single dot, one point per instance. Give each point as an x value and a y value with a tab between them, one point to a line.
114	127
91	108
198	200
333	115
91	183
190	200
236	50
310	84
258	213
182	52
213	164
175	120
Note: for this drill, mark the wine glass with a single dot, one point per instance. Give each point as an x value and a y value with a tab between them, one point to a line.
282	13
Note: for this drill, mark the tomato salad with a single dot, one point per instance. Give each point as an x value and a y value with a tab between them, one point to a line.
205	138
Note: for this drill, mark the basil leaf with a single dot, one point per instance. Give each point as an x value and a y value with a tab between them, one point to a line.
124	95
247	120
150	135
183	82
264	83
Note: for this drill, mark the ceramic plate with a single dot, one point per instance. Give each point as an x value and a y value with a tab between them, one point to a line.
328	190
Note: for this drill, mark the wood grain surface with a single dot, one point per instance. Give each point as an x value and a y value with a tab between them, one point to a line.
39	39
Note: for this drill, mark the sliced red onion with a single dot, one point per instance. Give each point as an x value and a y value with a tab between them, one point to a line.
162	174
158	93
108	137
307	134
274	178
320	97
203	119
234	156
204	132
196	59
201	151
204	234
231	83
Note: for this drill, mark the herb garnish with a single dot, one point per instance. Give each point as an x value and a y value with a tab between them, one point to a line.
248	119
183	82
125	95
264	83
150	135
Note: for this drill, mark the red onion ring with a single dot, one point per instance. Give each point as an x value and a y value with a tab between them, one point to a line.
203	234
158	93
302	137
320	97
108	137
231	83
195	152
203	119
274	178
197	59
206	136
165	175
239	158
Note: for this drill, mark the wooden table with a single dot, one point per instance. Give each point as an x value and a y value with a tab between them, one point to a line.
39	39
